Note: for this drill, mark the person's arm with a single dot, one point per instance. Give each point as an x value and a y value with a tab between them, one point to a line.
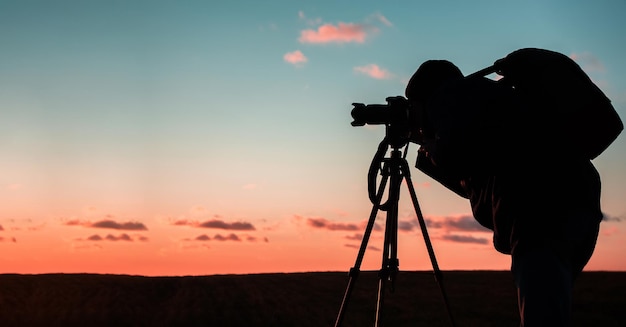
451	182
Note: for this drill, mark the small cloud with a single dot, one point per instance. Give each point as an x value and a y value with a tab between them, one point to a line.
114	238
107	223
229	237
214	223
323	223
203	237
373	71
222	238
355	237
183	222
115	225
464	223
251	238
220	224
606	217
465	239
354	246
122	237
1	228
95	237
295	57
455	223
406	226
382	19
341	33
75	222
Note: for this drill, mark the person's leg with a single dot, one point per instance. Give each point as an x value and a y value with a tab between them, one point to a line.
544	286
545	271
581	235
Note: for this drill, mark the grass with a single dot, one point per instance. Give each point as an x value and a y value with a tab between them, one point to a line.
477	298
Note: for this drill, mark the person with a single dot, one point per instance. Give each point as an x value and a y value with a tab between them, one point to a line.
478	138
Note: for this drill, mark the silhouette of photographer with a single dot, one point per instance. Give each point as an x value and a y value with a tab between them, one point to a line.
513	147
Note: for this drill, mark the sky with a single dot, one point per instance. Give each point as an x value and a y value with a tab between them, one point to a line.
202	137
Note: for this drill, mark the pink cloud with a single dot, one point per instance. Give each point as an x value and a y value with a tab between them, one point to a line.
342	33
122	237
229	237
224	225
326	224
107	223
203	237
323	223
354	246
214	223
114	238
374	71
75	222
465	223
465	239
355	237
379	17
184	222
116	225
295	57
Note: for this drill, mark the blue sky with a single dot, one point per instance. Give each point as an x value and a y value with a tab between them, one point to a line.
149	109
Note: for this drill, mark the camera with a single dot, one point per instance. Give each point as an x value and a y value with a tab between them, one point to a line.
396	115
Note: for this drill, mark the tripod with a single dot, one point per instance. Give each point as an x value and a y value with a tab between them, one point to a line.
395	168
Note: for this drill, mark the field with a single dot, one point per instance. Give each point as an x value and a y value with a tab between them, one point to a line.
477	298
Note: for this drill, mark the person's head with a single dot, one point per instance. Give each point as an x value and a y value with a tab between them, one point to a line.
429	77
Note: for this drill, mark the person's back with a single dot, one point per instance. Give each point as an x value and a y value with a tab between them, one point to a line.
484	137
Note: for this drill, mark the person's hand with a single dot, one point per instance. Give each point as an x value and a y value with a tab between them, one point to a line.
519	61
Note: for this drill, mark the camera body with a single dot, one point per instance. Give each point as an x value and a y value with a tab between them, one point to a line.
397	116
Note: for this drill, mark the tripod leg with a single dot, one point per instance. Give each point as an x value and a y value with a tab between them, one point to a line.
389	267
429	246
354	271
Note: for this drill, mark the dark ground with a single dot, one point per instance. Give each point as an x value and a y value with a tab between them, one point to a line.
477	298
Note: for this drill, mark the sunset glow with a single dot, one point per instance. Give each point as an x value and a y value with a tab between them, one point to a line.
194	138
